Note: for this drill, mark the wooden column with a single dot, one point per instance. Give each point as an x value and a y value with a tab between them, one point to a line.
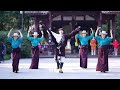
113	26
73	22
50	20
109	26
62	20
36	23
49	25
99	19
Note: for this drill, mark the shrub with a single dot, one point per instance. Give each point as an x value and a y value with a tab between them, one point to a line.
7	57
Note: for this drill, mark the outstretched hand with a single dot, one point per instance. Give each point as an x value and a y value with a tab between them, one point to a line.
78	28
42	32
19	31
11	29
92	30
98	28
49	28
110	31
29	30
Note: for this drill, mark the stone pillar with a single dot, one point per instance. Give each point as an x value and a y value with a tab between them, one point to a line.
62	20
109	27
73	22
99	19
36	23
113	27
49	26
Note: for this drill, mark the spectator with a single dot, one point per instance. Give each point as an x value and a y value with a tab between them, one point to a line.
72	43
77	44
115	45
93	46
2	51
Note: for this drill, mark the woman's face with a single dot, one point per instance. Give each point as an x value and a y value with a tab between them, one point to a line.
84	34
35	36
61	31
15	37
103	35
93	39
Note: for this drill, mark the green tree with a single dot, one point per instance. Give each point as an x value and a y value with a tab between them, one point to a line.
118	27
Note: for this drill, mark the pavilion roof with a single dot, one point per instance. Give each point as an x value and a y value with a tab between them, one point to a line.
36	12
110	12
46	12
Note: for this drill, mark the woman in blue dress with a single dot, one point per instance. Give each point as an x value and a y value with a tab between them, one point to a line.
35	48
103	42
83	38
15	41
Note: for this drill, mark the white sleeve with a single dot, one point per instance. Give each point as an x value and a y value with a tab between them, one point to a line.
55	34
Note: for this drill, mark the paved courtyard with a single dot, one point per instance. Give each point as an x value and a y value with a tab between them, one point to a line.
47	70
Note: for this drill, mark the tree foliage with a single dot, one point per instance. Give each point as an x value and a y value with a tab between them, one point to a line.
118	27
12	19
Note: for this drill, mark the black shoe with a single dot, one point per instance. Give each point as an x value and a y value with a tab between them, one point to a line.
16	71
57	68
103	71
60	71
13	70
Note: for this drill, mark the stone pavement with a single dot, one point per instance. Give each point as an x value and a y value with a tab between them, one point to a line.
47	70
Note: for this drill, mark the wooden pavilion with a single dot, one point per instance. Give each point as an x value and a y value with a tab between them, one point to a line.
86	19
72	19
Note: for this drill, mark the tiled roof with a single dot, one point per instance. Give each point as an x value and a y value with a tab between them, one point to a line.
110	12
37	12
46	12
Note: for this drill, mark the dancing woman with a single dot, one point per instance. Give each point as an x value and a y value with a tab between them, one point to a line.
83	39
15	41
60	41
35	48
103	42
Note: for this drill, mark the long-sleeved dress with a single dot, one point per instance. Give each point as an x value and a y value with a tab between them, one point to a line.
16	52
35	51
103	43
84	49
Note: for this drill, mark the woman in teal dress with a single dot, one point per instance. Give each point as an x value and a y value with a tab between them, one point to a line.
15	41
103	42
83	39
35	48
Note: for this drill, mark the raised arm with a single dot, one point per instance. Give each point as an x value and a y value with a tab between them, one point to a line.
74	32
92	30
51	35
28	33
42	34
20	34
9	33
111	34
97	31
92	34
